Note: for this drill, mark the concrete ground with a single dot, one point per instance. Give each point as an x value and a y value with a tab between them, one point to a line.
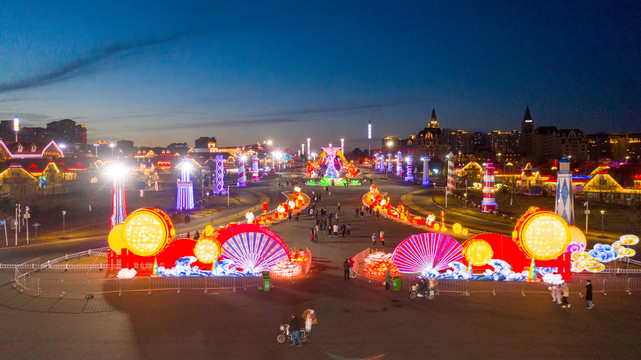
357	319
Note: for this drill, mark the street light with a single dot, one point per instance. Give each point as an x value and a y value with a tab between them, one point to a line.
602	221
35	226
16	222
64	212
112	146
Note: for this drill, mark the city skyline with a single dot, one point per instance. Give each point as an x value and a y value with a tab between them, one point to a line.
290	71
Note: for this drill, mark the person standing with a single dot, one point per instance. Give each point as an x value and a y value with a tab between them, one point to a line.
382	235
311	234
346	268
356	211
388	279
335	230
373	239
308	324
339	206
294	327
348	229
565	293
588	294
351	268
343	229
316	233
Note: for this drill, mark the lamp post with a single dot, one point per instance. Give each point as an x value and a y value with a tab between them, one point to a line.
112	146
16	222
602	221
96	146
26	218
35	226
587	212
64	212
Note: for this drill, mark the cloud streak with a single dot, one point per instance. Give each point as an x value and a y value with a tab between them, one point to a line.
89	63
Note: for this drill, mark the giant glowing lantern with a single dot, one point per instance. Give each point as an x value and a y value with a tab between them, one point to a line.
477	251
207	250
148	231
426	253
116	238
541	234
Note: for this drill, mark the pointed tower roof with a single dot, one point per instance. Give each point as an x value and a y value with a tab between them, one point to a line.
433	120
527	117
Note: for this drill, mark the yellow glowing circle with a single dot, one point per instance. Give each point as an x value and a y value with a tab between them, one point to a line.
116	238
206	251
457	228
544	235
148	231
209	231
577	235
478	252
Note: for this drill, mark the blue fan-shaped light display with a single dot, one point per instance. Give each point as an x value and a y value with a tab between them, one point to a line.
426	252
254	251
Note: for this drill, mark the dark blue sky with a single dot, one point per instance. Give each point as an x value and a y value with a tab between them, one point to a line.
164	71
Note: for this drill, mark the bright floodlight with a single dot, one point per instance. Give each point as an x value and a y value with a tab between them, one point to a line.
112	145
186	165
278	155
63	146
269	142
243	158
118	171
390	143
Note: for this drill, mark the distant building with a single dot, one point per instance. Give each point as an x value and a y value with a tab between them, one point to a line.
67	132
573	144
527	129
204	142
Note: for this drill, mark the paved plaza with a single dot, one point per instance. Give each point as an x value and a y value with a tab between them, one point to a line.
357	319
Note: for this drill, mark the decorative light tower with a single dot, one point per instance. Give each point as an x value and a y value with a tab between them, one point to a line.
489	202
119	196
185	195
369	138
309	149
564	205
302	150
389	163
409	175
16	126
343	146
219	186
399	163
242	179
331	171
426	171
255	168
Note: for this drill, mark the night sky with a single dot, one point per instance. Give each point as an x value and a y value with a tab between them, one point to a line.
171	71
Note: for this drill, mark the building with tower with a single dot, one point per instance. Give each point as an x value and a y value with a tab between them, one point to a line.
527	130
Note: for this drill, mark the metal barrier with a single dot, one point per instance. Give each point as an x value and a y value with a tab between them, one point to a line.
150	284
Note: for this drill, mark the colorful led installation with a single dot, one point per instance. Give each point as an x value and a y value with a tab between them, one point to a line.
219	185
477	252
399	163
564	205
254	251
426	171
185	188
409	174
148	231
451	185
577	239
389	163
207	251
331	171
541	234
118	196
255	168
242	179
426	253
489	202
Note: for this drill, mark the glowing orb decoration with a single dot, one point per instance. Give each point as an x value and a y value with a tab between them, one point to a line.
254	248
116	238
297	189
207	251
541	234
291	204
426	252
576	235
478	252
209	231
249	216
457	228
148	231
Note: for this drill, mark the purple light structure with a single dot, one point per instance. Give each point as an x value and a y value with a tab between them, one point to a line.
219	185
331	171
389	163
242	179
426	171
426	253
409	175
185	195
119	196
255	251
399	163
255	168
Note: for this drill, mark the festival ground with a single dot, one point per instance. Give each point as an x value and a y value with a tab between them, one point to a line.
357	318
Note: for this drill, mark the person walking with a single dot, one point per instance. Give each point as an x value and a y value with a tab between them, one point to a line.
588	294
346	269
388	279
308	323
382	235
348	230
343	229
373	239
294	328
335	230
338	206
565	291
316	233
311	235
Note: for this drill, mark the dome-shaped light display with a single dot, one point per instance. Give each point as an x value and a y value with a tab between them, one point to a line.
541	234
148	231
477	251
207	251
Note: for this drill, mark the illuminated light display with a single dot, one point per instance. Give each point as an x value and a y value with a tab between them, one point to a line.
209	231
564	205
541	234
118	196
489	202
451	184
577	239
255	249
409	174
426	171
331	172
582	261
242	178
478	252
185	188
255	170
457	228
219	185
389	162
207	251
426	253
593	260
148	231
378	262
116	238
286	268
399	163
